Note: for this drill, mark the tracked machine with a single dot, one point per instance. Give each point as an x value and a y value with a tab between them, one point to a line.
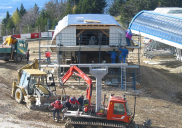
115	114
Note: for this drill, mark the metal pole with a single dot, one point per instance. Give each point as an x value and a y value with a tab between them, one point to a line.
0	30
39	54
59	61
79	48
28	29
13	31
48	22
139	51
59	70
100	37
121	78
134	84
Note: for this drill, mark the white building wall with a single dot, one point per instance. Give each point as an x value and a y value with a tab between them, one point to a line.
116	36
67	37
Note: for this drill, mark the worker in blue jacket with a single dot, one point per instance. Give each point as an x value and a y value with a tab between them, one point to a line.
113	56
124	53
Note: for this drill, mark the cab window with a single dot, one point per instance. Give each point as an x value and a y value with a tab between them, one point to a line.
119	109
21	45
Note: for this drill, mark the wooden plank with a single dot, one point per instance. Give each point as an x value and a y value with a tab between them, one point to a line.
92	27
92	21
104	32
80	32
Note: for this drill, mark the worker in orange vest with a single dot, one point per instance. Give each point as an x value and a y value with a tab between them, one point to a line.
48	56
57	105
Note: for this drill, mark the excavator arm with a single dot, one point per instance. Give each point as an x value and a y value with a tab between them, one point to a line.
74	69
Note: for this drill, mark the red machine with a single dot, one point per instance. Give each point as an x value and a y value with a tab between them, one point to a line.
75	70
115	114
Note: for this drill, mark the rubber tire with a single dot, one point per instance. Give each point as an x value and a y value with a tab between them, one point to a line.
18	58
18	95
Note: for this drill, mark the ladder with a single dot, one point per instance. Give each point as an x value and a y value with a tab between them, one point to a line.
123	78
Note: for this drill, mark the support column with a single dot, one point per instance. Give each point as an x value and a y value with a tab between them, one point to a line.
59	54
98	74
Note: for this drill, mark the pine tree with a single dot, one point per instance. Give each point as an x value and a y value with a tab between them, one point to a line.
5	20
36	8
10	24
22	10
132	7
91	6
68	9
114	9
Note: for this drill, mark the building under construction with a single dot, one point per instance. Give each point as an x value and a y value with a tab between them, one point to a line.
87	38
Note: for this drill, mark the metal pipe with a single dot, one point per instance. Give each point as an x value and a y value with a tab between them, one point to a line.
111	66
101	65
39	53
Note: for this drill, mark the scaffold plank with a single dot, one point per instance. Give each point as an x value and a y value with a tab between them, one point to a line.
56	48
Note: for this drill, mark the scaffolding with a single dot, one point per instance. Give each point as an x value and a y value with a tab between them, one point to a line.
67	55
155	48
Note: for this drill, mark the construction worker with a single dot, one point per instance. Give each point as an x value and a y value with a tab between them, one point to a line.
124	53
68	105
73	100
27	55
48	56
113	56
57	105
128	37
80	100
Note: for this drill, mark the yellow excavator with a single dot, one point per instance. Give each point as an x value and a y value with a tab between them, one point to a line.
33	87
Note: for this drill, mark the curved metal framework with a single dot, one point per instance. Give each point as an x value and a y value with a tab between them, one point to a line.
162	26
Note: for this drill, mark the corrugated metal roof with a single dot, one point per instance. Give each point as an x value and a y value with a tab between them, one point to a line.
163	27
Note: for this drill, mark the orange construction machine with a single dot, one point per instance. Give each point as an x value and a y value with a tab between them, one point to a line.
115	114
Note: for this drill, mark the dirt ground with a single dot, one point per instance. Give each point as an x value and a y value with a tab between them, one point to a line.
160	94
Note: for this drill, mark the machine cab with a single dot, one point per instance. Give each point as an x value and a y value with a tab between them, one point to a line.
118	109
22	47
34	81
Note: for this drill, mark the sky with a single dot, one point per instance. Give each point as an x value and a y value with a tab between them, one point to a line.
11	5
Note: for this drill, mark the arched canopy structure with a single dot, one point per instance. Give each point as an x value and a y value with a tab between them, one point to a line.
160	27
72	22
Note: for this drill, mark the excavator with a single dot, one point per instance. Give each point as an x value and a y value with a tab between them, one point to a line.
13	49
115	114
34	88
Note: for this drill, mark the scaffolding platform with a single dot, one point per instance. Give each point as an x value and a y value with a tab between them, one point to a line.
56	48
87	65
